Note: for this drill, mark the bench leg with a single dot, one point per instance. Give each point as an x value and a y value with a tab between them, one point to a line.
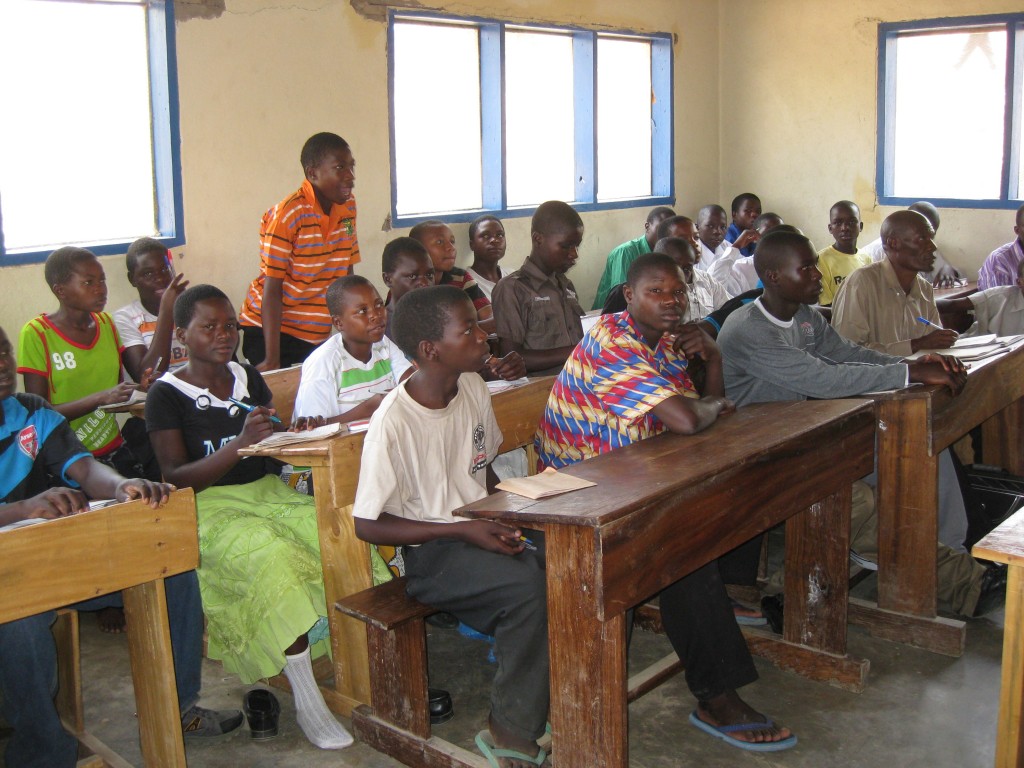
398	668
69	671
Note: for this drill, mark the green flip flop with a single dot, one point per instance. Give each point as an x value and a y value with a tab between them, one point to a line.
485	743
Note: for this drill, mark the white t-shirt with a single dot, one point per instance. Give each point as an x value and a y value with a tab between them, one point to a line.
136	326
333	382
420	463
999	310
485	285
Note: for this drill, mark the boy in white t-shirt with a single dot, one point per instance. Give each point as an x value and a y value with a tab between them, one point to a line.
427	452
347	376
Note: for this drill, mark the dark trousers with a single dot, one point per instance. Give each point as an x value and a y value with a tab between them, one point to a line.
293	351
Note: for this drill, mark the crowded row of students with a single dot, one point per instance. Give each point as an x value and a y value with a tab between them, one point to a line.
411	360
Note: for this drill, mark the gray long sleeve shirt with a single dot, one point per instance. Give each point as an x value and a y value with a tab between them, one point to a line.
769	360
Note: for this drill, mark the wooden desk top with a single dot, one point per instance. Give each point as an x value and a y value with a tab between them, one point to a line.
957	291
1004	544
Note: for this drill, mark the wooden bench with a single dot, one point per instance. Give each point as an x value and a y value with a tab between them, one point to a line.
284	384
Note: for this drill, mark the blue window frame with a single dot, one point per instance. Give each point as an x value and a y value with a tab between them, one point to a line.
153	106
464	71
949	115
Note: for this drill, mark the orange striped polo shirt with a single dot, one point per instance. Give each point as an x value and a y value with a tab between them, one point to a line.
308	251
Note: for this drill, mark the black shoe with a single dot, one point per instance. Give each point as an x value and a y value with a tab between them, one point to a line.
773	609
442	620
199	722
441	709
262	711
993	589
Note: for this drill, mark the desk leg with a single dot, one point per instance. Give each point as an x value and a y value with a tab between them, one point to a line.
1009	741
1002	438
346	566
156	696
588	658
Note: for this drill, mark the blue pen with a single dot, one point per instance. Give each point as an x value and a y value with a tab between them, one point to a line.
251	408
929	322
527	543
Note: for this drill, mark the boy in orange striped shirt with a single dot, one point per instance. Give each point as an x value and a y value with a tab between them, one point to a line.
307	241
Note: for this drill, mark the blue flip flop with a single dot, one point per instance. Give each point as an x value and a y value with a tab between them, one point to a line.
485	743
722	732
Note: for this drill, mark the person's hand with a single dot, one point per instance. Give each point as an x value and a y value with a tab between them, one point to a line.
510	367
117	394
747	237
939	373
491	536
946	277
306	423
691	341
728	406
940	339
268	365
949	362
173	290
53	503
149	375
138	488
258	426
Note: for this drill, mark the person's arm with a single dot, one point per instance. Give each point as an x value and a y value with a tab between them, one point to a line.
270	312
536	359
486	534
101	482
944	274
137	359
962	304
36	384
722	270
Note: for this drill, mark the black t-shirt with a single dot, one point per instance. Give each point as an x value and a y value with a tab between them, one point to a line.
205	430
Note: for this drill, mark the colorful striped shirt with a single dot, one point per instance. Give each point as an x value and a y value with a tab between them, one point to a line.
603	398
308	250
460	278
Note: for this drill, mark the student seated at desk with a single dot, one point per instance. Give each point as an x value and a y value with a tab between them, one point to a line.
1002	266
36	441
625	254
536	308
439	240
736	272
838	260
941	274
742	234
628	381
348	375
777	348
259	573
998	310
487	242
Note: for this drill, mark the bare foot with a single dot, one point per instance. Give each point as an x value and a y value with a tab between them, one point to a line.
111	620
505	740
730	709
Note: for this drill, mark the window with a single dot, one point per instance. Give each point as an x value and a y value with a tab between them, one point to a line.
489	116
949	112
91	157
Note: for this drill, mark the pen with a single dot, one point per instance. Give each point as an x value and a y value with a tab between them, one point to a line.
929	322
251	408
156	365
527	543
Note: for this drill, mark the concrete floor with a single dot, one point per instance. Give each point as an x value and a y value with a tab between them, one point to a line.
919	709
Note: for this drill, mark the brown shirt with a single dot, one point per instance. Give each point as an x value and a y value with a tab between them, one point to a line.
537	311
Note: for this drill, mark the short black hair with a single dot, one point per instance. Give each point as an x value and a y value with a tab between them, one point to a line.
185	305
649	262
667	224
765	217
847	204
679	243
740	199
422	316
774	246
317	146
476	223
707	210
554	215
399	247
336	290
416	233
140	248
60	264
657	213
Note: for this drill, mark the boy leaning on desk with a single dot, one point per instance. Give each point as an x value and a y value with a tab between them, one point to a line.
35	441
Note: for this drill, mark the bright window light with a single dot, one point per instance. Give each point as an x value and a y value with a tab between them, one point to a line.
539	117
76	157
623	118
437	118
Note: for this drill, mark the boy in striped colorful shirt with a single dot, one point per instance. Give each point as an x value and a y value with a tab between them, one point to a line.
307	241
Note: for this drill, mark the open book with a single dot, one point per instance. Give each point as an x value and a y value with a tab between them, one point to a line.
138	396
969	348
547	483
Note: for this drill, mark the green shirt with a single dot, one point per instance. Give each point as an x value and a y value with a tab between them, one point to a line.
617	266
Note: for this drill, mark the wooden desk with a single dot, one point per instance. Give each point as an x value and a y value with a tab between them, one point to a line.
664	507
1006	545
346	559
914	426
56	563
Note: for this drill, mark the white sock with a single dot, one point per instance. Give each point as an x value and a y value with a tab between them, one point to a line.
315	719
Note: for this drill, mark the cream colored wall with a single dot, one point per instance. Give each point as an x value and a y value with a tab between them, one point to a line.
798	103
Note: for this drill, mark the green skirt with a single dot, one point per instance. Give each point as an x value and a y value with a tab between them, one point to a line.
259	574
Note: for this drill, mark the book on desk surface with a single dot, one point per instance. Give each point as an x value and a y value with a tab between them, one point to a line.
137	396
969	348
279	439
540	486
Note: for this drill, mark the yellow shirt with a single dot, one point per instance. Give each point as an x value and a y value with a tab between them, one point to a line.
835	266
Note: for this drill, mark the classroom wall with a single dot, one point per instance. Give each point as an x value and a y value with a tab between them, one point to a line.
798	109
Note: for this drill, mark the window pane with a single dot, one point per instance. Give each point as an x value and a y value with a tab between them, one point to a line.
950	100
623	118
437	118
88	144
539	149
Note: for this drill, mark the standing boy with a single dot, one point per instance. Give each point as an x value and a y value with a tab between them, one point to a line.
838	260
536	309
307	241
427	452
625	254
